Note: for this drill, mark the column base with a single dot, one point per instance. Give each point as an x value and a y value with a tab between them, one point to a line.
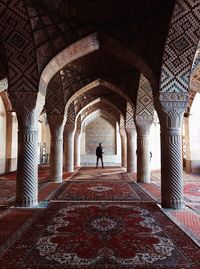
69	169
173	204
58	180
28	202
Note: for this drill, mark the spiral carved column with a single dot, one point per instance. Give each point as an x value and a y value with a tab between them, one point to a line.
131	149
77	147
69	147
27	167
123	147
171	110
28	106
143	125
56	124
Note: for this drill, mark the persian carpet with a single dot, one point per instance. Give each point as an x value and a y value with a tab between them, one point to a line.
195	207
101	236
152	190
87	173
192	192
7	192
101	190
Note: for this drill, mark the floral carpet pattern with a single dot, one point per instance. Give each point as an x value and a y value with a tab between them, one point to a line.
101	190
103	235
97	220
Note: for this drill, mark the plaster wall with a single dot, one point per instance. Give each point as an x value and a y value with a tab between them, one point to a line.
193	158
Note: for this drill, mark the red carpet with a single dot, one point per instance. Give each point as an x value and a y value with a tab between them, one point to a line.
7	192
13	223
106	235
101	190
192	192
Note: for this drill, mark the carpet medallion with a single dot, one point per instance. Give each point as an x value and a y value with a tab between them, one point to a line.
103	235
101	190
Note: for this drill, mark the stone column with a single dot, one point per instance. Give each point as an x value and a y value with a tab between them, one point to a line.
77	149
131	149
171	108
69	147
123	147
143	125
28	106
56	125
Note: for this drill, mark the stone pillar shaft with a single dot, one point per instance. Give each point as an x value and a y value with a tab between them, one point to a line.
77	149
143	125
56	124
27	167
123	147
143	155
171	110
69	147
131	149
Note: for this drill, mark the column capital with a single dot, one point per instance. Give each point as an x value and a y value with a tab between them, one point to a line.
171	108
56	124
143	123
130	131
69	128
122	132
28	106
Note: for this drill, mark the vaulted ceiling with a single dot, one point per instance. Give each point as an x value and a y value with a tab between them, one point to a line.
140	26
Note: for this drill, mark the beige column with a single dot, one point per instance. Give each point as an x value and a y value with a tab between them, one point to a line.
69	147
143	125
56	124
131	149
123	147
170	110
77	147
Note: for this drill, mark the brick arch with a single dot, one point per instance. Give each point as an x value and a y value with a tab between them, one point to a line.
4	84
96	114
195	75
94	84
19	47
6	101
180	47
99	107
87	45
96	101
144	105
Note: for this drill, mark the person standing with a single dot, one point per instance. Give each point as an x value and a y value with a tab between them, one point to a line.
99	154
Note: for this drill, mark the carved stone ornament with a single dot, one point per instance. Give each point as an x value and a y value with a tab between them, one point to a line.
28	106
143	122
56	124
131	132
69	129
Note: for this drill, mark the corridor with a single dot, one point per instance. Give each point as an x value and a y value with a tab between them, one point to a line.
96	218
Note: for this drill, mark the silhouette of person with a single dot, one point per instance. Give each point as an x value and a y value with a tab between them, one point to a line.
99	154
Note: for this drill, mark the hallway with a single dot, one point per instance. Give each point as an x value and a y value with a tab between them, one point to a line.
96	218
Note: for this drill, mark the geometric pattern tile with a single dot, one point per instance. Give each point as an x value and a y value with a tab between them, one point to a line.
144	98
54	96
18	42
129	116
3	84
182	40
